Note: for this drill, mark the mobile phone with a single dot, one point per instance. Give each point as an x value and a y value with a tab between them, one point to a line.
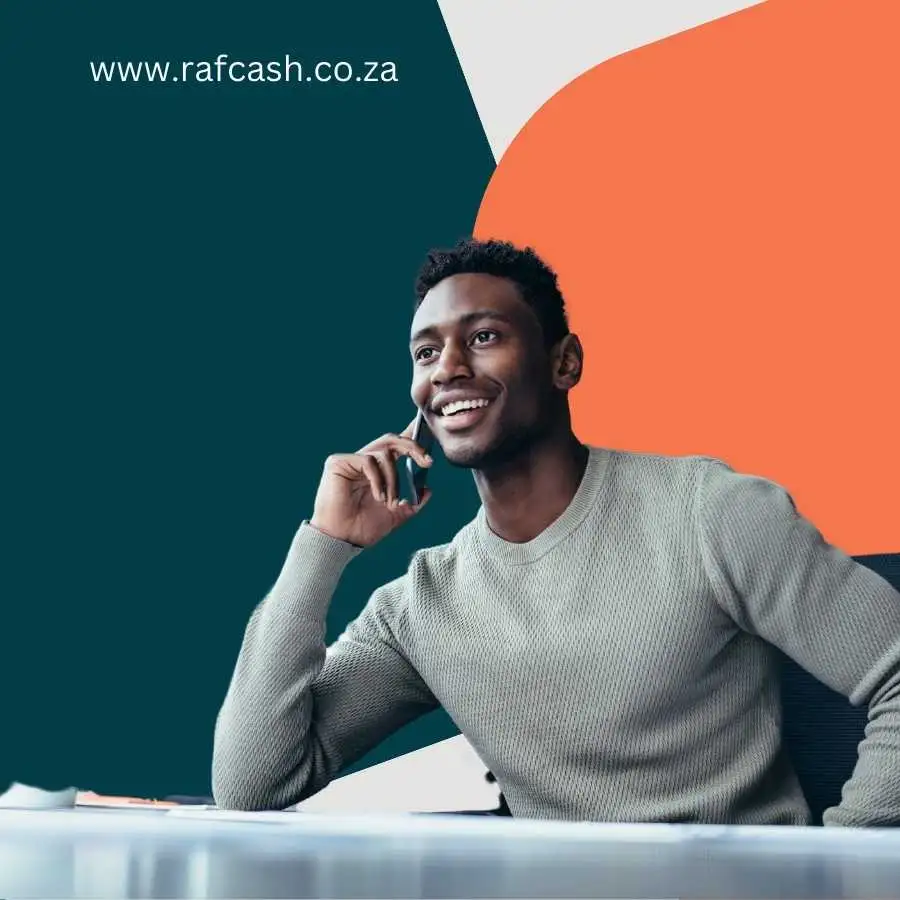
416	476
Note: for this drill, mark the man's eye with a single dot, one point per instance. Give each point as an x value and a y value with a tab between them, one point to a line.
422	355
484	337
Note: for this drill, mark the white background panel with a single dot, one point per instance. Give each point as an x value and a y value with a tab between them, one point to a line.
516	54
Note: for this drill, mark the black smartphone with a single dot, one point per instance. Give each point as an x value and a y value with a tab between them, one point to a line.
416	476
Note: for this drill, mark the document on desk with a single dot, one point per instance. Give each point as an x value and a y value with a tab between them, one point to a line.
445	777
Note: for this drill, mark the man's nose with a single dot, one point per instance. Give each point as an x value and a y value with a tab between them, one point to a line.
452	364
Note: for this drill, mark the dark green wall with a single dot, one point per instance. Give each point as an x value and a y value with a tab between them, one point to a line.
206	289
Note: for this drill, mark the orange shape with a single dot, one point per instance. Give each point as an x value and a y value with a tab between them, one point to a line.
721	208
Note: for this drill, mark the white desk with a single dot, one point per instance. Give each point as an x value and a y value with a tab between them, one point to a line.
144	853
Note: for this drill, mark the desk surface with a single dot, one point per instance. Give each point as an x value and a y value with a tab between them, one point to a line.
144	853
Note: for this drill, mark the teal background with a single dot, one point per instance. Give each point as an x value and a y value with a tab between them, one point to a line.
206	290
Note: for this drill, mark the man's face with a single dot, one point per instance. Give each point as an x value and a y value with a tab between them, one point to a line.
481	371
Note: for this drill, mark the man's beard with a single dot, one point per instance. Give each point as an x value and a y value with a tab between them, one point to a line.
506	448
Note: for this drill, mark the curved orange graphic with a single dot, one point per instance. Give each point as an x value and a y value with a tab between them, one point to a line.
722	209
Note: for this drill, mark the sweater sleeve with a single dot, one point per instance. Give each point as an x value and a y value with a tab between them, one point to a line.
297	712
777	577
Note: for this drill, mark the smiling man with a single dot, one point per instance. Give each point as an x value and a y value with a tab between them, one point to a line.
602	632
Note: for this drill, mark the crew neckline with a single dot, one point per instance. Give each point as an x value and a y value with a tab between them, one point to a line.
574	514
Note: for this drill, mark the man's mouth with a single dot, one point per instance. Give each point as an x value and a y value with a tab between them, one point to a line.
461	414
458	406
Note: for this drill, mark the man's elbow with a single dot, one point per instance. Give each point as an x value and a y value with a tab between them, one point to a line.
244	792
244	784
257	789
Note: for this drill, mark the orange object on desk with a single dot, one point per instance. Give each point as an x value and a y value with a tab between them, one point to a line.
89	798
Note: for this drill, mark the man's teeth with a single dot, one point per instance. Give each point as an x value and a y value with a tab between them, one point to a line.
459	405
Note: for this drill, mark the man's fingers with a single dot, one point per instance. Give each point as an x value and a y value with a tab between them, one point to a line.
373	473
409	509
385	460
399	446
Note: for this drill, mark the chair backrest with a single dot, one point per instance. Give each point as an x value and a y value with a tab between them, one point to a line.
822	731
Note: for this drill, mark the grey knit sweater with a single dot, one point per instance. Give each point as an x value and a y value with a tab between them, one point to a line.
617	667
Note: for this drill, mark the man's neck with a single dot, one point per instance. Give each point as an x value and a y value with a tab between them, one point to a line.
529	493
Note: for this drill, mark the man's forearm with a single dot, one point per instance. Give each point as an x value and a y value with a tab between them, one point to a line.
267	753
872	795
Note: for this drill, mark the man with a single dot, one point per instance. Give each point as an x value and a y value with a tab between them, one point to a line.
602	632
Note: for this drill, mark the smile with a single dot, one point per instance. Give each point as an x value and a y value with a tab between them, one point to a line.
458	406
461	415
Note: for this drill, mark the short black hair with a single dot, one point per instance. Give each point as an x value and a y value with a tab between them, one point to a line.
536	281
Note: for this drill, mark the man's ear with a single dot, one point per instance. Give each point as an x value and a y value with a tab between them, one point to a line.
568	362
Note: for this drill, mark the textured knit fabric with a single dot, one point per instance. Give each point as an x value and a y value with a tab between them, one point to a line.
618	667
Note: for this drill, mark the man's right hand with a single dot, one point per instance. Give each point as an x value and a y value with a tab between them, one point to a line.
358	500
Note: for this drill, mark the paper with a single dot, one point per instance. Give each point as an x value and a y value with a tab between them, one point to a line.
23	796
445	777
226	815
